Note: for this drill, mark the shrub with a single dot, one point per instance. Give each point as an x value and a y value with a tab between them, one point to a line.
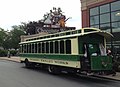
13	52
3	53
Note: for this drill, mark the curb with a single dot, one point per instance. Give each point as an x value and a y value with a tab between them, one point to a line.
108	77
14	59
100	77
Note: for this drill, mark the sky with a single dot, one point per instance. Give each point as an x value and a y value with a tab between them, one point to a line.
13	12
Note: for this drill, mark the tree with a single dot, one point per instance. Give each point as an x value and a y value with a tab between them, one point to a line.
23	26
15	34
7	42
11	39
3	35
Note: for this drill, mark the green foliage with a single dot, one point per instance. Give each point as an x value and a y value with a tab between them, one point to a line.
13	52
16	32
10	40
3	53
3	35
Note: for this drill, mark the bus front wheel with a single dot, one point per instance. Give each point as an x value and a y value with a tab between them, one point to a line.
27	63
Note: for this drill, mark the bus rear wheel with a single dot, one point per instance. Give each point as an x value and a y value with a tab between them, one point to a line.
53	69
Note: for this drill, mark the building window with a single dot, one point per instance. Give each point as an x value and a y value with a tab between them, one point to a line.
104	8
95	26
104	18
105	27
94	20
115	6
116	27
94	11
115	16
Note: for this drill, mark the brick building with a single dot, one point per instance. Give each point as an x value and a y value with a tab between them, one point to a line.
103	14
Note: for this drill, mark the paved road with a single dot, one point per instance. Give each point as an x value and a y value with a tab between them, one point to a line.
13	74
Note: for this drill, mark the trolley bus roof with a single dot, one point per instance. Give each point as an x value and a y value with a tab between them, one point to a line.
80	32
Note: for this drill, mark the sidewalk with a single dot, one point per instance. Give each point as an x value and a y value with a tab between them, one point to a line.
116	77
12	58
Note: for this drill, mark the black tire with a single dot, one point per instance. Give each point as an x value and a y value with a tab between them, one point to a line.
27	63
53	69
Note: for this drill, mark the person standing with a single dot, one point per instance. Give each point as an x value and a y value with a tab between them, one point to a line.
8	54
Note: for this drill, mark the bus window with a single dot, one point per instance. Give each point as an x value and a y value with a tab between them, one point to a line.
85	50
102	49
62	46
93	49
21	48
56	47
27	45
35	47
68	46
39	47
25	48
29	51
51	47
47	47
32	47
43	47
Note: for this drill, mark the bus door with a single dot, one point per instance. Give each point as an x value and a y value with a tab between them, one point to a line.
89	49
85	60
93	49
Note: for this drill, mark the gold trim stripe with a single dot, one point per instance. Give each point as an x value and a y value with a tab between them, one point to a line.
73	64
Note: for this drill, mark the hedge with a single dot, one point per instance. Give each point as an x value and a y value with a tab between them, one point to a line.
3	53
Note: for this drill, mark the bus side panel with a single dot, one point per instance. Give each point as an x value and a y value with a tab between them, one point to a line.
61	60
101	63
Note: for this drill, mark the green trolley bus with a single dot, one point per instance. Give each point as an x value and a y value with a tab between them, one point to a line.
82	50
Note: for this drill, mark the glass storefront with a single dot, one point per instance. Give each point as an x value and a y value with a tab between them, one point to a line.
105	27
104	18
115	5
116	27
94	20
94	11
115	16
105	8
107	17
